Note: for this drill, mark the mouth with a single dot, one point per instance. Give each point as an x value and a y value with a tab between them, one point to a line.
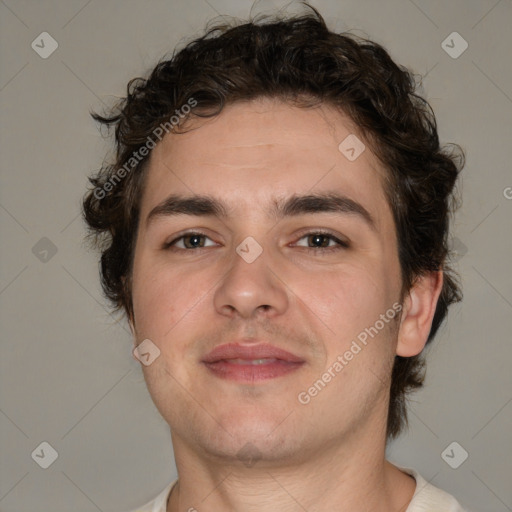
253	363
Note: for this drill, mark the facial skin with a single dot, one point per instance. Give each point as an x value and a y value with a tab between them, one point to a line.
329	453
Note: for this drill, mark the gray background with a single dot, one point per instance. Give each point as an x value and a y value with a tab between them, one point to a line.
67	374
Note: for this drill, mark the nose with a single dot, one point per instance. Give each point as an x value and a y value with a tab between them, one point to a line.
251	289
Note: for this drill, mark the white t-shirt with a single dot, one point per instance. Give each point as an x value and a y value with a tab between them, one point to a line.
426	498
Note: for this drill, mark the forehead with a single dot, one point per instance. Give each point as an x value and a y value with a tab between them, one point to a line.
255	152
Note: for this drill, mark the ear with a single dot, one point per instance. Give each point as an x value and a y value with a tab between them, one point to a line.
418	313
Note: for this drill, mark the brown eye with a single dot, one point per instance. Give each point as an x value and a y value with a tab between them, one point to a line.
318	240
186	241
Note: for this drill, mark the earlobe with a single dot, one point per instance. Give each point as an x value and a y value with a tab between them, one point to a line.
419	308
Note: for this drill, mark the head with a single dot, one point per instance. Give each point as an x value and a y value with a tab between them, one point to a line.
253	113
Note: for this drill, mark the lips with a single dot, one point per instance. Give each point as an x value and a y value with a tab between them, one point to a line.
236	352
249	364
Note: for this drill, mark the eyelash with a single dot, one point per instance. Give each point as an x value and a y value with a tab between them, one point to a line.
327	234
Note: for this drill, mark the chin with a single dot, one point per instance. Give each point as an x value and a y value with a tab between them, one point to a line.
257	438
249	450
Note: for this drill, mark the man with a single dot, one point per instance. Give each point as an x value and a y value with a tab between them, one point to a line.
274	228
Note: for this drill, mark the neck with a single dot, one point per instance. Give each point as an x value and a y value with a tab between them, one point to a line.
351	476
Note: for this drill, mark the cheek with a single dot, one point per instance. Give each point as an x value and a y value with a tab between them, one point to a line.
161	298
349	304
167	305
173	305
347	298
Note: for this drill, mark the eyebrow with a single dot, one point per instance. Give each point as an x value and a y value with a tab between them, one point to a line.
208	206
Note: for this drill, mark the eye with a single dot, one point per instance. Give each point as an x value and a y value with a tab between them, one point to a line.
321	241
190	240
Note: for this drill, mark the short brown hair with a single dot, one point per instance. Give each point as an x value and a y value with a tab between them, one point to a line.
299	60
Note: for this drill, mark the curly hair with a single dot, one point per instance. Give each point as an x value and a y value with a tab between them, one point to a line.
300	61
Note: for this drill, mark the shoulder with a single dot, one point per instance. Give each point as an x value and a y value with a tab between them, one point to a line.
158	504
428	498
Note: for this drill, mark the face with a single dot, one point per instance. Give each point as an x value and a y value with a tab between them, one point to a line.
304	276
